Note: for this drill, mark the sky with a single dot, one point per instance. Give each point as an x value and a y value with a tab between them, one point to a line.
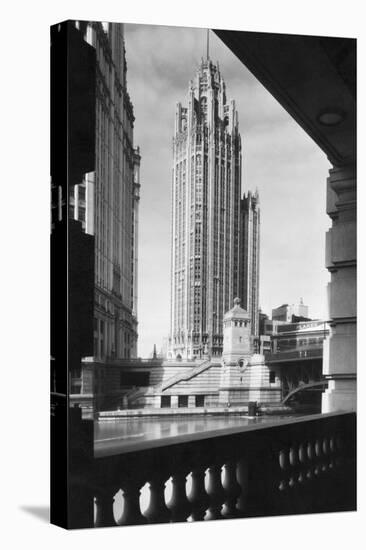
279	159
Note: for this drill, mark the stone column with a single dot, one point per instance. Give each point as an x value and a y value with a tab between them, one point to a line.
174	402
191	401
339	363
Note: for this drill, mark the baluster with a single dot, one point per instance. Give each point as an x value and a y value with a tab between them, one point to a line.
157	511
104	504
198	497
215	492
293	460
311	456
302	453
283	480
318	453
301	478
131	512
331	452
325	449
283	460
302	460
232	489
293	456
297	501
179	504
310	450
242	477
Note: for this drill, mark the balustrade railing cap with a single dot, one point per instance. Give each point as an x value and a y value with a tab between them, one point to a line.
119	449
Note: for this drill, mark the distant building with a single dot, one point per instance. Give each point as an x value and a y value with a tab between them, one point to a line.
215	233
236	378
295	352
290	356
286	312
263	317
282	337
106	202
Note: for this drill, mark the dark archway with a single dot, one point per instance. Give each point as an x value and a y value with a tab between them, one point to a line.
304	387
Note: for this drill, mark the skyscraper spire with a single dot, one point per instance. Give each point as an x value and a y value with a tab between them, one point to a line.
208	44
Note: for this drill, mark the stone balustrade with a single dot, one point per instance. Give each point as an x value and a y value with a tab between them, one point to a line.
298	465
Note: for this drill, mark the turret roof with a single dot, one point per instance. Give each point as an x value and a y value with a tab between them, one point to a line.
236	312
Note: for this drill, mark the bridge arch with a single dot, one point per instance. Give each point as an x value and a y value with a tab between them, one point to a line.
303	387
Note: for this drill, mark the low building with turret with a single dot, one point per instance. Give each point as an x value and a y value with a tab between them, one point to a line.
232	380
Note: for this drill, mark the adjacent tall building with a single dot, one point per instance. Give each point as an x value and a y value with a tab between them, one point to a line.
249	257
215	232
107	201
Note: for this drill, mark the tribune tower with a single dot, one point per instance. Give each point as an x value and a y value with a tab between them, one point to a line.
207	214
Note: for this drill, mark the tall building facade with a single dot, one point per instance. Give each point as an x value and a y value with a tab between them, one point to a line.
208	214
107	200
249	258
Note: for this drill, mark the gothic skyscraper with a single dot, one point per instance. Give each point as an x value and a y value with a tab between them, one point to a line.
208	219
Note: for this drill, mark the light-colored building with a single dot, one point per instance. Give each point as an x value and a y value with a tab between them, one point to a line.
235	379
106	201
213	229
287	311
281	337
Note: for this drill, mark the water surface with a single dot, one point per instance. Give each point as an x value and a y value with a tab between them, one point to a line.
124	433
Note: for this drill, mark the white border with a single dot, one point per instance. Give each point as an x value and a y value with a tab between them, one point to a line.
24	231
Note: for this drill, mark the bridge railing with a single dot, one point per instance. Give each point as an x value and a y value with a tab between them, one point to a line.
293	466
315	352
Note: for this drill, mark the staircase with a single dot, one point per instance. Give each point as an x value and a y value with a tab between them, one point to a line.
184	376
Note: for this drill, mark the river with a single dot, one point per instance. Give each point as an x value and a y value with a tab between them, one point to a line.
123	434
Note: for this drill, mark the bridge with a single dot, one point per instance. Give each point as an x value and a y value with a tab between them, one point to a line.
299	369
295	355
321	384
